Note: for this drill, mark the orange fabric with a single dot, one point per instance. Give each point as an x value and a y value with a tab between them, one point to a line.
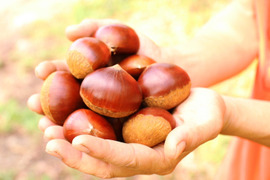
245	159
262	81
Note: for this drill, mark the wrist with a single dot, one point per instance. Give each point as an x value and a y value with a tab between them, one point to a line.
227	116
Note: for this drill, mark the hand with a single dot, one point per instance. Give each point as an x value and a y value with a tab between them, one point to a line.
198	119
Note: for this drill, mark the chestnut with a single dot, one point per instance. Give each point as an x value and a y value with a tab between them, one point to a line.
164	85
120	38
149	126
135	64
86	55
117	124
111	91
117	58
60	96
85	121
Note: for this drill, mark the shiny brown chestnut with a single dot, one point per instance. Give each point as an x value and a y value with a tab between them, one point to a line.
111	91
135	64
120	38
164	85
60	96
87	122
86	55
149	126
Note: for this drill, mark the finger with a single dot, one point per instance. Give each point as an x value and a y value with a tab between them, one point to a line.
33	103
106	150
77	159
54	132
149	48
86	28
175	142
44	123
202	121
135	156
44	69
89	164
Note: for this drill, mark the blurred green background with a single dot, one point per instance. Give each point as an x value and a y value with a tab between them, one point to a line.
33	31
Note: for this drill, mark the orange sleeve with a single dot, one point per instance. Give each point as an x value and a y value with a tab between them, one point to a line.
262	80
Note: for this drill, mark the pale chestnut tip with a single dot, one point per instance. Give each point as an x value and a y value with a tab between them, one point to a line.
149	126
87	54
164	85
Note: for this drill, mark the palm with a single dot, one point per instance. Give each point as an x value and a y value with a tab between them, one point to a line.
199	119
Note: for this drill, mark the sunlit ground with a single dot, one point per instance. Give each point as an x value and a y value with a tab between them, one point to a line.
33	31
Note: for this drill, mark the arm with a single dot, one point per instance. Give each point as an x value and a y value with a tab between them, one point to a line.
247	118
223	47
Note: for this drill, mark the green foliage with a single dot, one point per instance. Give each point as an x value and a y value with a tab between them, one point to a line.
101	9
213	151
14	116
7	175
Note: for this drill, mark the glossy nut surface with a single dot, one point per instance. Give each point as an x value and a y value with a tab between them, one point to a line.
135	64
85	121
86	55
120	38
112	92
164	85
60	96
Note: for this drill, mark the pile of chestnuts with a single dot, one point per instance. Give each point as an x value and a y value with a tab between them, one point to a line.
112	92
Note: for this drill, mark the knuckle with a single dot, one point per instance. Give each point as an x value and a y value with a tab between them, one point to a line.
131	160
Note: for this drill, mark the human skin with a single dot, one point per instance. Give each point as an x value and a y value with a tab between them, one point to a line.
226	45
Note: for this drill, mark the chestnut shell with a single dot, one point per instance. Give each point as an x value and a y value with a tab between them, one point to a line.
112	92
149	126
135	64
85	121
60	96
86	55
164	85
120	38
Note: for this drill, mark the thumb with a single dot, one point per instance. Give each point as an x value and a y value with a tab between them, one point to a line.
175	142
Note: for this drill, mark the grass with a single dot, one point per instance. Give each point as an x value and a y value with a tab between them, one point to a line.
7	175
14	117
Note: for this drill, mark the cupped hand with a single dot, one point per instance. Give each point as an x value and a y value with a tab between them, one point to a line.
198	119
202	117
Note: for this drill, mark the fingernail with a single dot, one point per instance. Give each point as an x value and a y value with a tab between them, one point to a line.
179	149
54	153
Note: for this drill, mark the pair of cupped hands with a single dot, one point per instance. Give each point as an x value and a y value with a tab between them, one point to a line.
199	119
